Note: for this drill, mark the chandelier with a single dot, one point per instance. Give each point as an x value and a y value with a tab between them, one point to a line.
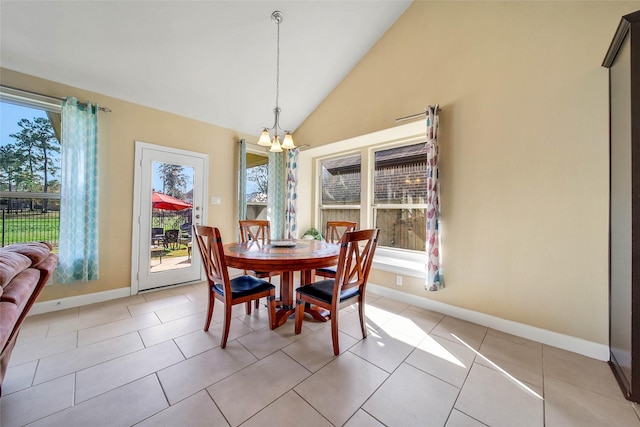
271	137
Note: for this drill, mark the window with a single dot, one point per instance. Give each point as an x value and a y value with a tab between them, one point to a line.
29	169
388	164
399	201
394	199
257	186
340	189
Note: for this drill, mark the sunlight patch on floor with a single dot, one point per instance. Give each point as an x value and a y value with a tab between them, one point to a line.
499	369
433	347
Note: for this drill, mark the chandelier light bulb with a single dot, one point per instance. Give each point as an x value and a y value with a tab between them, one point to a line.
275	145
287	143
265	139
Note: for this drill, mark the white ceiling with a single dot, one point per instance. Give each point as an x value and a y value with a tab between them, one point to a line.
213	61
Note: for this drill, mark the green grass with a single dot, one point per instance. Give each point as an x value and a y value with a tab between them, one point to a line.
182	251
31	227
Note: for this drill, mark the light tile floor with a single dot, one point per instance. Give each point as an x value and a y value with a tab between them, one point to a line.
146	361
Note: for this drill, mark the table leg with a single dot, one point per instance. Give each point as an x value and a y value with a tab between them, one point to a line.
307	276
286	296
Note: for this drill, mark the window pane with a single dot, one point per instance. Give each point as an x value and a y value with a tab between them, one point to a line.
341	181
257	186
400	175
402	228
338	215
29	163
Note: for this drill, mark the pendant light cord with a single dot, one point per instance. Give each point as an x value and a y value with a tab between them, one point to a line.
278	64
266	138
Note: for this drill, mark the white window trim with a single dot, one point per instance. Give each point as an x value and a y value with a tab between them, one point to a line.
26	99
398	261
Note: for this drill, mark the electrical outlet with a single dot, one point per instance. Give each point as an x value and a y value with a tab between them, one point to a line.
398	280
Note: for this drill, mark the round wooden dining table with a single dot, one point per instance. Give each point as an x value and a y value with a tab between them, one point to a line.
286	257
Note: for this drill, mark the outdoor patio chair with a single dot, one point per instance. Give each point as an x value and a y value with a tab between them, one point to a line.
185	230
157	235
171	239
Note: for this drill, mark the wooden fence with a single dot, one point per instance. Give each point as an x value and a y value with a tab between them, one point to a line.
399	228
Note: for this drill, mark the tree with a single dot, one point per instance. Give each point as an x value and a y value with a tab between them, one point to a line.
174	180
36	142
259	175
10	167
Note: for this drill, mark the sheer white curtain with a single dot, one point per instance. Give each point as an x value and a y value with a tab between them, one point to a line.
78	250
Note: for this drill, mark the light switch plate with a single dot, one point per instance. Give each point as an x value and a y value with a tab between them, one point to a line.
216	201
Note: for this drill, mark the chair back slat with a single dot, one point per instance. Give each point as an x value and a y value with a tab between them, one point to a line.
256	230
212	254
336	229
355	259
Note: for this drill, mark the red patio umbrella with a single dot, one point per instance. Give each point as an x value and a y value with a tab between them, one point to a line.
163	201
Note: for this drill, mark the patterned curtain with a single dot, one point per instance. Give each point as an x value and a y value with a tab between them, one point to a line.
242	179
290	224
434	257
78	250
276	194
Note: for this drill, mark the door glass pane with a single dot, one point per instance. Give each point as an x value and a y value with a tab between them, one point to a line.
171	216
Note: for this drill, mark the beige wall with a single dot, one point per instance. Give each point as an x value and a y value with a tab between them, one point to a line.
524	149
118	131
523	153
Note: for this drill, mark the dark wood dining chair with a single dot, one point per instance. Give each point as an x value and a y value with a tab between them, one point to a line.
256	230
333	234
347	288
243	289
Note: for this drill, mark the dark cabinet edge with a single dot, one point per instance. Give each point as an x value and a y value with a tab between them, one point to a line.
629	27
618	38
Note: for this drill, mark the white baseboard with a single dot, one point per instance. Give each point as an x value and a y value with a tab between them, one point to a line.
555	339
77	301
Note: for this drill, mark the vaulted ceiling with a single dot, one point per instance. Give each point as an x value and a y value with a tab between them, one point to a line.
213	61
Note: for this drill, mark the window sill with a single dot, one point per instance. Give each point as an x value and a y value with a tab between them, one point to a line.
400	262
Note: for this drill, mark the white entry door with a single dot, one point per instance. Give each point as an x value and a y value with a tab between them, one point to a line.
169	199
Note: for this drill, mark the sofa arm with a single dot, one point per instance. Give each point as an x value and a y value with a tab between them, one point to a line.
46	268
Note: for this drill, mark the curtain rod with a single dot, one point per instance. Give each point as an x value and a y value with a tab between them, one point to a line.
105	109
424	113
